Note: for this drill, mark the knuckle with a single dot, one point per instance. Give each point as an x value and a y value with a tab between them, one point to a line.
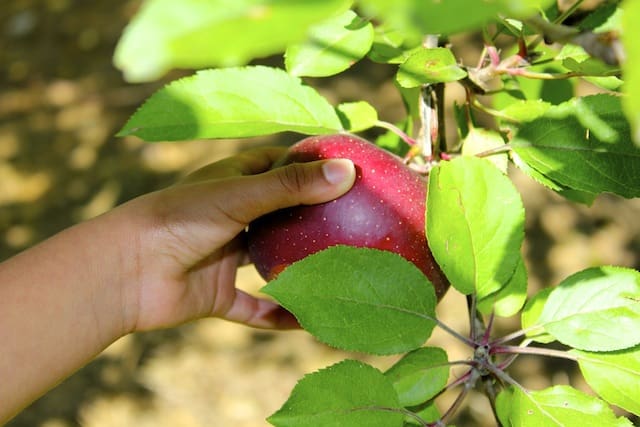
170	228
295	177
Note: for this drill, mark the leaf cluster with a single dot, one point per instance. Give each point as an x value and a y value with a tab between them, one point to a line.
534	58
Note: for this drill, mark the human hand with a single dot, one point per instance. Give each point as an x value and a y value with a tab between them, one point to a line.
185	243
157	261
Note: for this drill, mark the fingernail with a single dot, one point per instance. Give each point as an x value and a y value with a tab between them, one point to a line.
337	171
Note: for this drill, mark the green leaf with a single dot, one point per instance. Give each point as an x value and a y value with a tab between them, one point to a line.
534	174
575	58
475	224
426	413
347	394
232	103
359	299
508	300
419	375
631	66
599	16
584	145
590	67
597	309
331	47
503	406
518	89
569	193
524	110
451	16
168	34
463	120
615	376
514	26
388	45
357	116
531	317
559	406
578	196
425	66
612	23
480	140
609	83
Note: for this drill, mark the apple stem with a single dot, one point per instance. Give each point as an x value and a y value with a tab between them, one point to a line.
470	382
488	110
504	377
496	150
549	352
395	129
468	341
428	121
489	384
487	333
403	411
474	325
513	335
428	132
509	360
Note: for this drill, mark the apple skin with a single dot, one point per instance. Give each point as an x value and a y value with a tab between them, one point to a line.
385	209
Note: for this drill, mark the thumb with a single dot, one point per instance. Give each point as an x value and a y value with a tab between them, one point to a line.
313	182
294	184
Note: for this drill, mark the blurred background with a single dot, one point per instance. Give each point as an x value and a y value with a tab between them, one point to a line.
62	101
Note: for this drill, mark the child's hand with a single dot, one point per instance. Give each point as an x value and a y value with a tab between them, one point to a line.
157	261
186	242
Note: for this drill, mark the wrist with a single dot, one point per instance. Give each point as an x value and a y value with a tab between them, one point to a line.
117	258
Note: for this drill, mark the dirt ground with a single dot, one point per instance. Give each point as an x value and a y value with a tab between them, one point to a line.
61	102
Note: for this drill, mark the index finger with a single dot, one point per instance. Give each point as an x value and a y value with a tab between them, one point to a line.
259	313
250	162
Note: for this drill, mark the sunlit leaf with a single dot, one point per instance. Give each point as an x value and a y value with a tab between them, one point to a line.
559	406
331	47
232	103
388	45
357	116
631	66
359	299
599	16
597	309
475	224
583	145
451	16
196	34
349	393
419	375
538	94
569	193
531	316
508	300
524	110
483	141
427	413
424	66
503	406
615	376
589	67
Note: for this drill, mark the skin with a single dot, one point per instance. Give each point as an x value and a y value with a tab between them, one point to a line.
157	261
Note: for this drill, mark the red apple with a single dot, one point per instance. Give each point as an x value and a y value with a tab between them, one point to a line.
385	209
